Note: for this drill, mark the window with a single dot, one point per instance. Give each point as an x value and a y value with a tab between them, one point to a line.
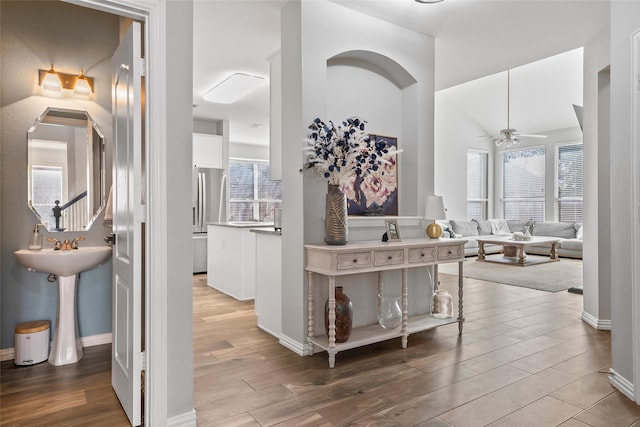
569	187
477	184
523	183
252	195
46	188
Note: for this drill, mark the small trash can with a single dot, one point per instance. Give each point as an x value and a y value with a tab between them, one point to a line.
32	342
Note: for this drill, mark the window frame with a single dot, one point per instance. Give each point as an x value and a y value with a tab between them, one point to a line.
485	200
543	198
556	197
255	201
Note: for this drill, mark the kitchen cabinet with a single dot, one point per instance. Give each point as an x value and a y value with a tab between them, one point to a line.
268	301
207	151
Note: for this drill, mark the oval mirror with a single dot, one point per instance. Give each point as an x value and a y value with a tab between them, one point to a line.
66	169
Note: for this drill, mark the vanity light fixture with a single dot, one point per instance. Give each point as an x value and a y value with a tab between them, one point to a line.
52	81
82	86
234	87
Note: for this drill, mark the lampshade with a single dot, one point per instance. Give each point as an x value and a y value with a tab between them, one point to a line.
51	81
82	87
434	208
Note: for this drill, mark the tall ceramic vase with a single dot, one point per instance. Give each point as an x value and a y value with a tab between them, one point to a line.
335	216
344	316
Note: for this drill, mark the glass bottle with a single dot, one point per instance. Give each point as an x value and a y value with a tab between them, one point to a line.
441	304
389	311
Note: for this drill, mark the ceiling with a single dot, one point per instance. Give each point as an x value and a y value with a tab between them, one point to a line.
474	38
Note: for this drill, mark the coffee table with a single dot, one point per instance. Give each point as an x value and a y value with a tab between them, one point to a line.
520	245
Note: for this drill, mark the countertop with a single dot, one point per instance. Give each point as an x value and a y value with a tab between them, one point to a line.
243	224
269	230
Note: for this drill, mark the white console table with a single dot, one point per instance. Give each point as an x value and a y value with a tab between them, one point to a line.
374	256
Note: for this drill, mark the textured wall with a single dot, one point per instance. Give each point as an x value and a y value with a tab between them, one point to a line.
33	36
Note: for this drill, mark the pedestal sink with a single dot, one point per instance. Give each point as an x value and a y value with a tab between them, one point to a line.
66	347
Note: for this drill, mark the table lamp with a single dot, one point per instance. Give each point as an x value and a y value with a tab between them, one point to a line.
434	210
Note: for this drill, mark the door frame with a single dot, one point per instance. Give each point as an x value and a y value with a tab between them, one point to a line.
635	215
152	13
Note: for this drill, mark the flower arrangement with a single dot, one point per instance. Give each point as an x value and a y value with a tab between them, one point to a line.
346	152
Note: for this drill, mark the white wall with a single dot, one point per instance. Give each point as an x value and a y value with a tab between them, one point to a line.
625	20
597	222
309	94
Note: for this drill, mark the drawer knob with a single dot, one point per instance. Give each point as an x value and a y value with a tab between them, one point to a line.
449	252
355	261
389	257
421	254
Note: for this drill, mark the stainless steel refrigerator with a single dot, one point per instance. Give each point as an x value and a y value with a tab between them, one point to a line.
207	205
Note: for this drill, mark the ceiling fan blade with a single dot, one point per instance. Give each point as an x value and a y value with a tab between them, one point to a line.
529	135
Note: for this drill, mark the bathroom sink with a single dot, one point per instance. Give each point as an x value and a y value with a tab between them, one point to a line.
64	263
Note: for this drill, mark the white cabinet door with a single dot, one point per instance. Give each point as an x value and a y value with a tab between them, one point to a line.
207	151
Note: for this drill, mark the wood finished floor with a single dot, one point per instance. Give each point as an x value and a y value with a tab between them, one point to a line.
525	359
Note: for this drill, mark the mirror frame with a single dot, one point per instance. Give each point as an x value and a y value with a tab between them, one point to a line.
63	113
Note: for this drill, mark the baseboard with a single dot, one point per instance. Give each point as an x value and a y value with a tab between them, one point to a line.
88	341
297	347
622	384
188	419
594	322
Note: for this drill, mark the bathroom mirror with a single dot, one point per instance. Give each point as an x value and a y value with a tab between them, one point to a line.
66	163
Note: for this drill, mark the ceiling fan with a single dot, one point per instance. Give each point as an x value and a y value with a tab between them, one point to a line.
509	136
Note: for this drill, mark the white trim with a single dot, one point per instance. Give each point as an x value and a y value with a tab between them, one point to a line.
153	14
188	419
88	341
594	322
297	347
635	207
621	383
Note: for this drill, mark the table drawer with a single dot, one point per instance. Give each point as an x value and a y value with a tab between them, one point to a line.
354	260
422	255
450	252
388	257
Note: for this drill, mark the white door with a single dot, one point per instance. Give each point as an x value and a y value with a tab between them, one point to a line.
127	357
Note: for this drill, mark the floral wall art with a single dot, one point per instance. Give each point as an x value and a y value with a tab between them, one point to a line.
363	165
377	192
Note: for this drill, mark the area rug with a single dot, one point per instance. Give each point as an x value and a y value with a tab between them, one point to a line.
551	276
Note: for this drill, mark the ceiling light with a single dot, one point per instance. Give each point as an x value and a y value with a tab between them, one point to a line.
233	88
429	1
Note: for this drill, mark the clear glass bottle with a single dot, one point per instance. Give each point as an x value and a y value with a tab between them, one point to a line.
389	311
35	240
441	304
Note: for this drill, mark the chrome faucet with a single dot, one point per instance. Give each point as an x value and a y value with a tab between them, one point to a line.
74	242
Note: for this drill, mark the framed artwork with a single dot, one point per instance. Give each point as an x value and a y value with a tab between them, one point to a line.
377	194
393	231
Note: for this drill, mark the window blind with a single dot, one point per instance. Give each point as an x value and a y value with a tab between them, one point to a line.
252	195
569	174
477	184
523	183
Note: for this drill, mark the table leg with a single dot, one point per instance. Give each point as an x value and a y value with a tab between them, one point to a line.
480	251
460	312
405	310
310	318
554	250
521	255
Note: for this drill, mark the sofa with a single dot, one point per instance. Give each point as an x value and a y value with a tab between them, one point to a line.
569	233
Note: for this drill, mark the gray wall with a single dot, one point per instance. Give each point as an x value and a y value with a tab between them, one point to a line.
179	91
625	20
31	39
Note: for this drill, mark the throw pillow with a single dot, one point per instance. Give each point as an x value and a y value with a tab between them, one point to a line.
484	227
579	230
499	226
521	225
465	228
